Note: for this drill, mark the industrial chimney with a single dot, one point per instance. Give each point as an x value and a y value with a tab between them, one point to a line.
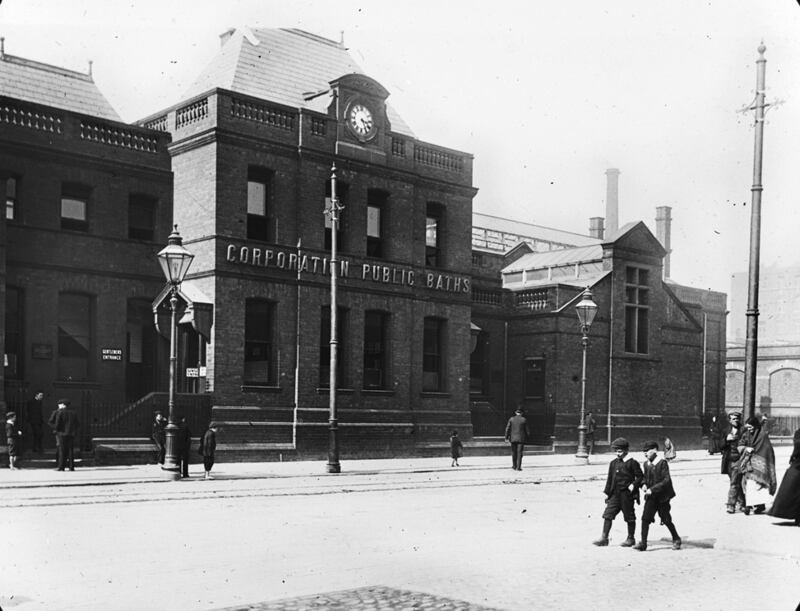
664	233
596	227
612	200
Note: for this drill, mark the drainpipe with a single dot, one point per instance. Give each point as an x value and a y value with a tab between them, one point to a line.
296	354
610	357
705	358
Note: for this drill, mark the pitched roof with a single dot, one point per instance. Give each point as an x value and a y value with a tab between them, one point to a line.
556	258
31	81
281	65
500	234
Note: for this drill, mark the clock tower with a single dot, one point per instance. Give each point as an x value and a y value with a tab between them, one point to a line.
361	117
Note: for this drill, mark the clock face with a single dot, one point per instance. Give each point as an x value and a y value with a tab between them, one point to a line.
360	120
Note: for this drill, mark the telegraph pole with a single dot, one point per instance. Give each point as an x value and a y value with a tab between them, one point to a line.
751	342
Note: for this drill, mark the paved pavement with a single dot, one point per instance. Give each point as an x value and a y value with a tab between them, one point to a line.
548	467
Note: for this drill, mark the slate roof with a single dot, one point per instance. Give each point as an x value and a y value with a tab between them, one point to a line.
31	81
556	258
280	65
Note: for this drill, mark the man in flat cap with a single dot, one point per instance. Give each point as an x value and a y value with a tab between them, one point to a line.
65	426
622	488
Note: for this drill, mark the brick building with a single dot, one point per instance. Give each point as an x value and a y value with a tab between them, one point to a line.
446	320
778	357
88	204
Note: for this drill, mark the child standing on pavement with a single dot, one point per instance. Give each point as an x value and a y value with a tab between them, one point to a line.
456	448
658	490
12	435
208	447
622	488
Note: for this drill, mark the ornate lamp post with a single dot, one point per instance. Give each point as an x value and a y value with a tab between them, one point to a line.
332	211
175	261
587	309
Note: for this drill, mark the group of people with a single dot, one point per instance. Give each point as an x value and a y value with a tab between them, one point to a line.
64	423
748	459
183	439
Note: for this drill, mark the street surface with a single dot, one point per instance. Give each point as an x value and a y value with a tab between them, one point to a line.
386	535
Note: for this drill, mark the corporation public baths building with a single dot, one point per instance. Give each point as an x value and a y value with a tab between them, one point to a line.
447	319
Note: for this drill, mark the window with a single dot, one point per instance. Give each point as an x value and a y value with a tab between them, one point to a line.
74	336
325	347
376	204
432	356
376	324
341	195
141	217
74	207
11	199
258	193
637	309
259	350
13	345
433	235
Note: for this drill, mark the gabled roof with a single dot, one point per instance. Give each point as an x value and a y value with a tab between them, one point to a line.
281	65
30	81
556	258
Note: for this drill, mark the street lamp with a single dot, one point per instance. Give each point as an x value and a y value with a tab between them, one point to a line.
175	261
332	211
587	309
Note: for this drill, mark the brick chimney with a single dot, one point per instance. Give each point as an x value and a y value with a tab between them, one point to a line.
612	200
664	233
596	227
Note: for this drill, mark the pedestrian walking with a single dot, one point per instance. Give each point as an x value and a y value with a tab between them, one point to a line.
159	437
658	492
787	501
757	466
208	448
517	434
13	435
669	450
184	445
36	420
622	490
456	449
51	422
729	447
715	435
591	426
66	427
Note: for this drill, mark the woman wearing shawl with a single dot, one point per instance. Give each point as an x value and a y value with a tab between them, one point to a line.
787	501
757	466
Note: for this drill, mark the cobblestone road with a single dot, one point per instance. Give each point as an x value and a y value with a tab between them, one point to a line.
376	598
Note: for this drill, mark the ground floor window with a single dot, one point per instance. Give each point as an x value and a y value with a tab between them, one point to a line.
375	349
433	355
259	342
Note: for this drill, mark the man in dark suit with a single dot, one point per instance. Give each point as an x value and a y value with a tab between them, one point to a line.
517	433
184	445
159	437
66	429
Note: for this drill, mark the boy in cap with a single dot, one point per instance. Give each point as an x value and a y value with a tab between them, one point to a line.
622	488
12	434
658	491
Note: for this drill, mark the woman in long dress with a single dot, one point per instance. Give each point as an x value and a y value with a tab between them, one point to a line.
787	501
757	466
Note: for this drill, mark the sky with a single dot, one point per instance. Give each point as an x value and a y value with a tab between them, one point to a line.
545	95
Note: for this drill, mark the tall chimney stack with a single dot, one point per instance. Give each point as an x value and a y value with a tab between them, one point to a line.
664	233
596	227
612	200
